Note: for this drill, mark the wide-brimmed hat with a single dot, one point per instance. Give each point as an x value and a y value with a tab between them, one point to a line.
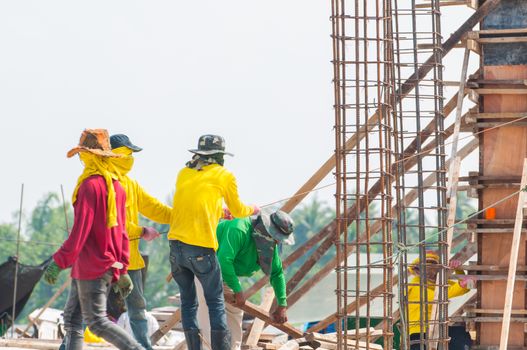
431	258
210	144
94	141
121	140
278	225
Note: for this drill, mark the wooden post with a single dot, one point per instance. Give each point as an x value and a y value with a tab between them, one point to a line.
453	176
513	262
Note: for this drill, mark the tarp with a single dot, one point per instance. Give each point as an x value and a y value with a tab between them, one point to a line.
28	277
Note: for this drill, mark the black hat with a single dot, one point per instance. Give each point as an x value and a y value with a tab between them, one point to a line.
121	140
210	144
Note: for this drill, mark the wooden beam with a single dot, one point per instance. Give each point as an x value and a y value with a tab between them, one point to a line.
166	326
256	311
47	305
500	91
258	324
509	292
409	199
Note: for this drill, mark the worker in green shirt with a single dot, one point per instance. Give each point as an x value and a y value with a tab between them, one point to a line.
245	246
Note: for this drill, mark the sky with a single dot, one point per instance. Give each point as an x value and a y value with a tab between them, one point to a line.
165	72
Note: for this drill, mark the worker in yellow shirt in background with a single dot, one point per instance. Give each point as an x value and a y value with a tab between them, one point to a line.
455	289
137	201
201	188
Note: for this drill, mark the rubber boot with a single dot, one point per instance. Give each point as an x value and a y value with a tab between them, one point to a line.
193	339
220	340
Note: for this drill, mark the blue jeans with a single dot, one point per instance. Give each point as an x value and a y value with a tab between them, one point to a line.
188	261
136	305
87	300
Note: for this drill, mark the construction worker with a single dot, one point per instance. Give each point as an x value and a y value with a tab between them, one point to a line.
201	187
137	201
456	288
245	246
97	248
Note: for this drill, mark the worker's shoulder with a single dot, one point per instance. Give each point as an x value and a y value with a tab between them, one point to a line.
241	225
92	183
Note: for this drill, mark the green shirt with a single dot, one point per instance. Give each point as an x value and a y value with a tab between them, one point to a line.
238	256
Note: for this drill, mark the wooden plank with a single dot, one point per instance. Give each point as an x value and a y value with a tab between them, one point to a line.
501	91
258	324
511	279
503	40
165	327
444	3
493	311
256	311
500	115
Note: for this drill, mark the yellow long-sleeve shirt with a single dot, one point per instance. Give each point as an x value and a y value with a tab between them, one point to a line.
414	295
139	201
199	201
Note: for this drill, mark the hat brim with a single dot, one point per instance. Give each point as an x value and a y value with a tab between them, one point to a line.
208	153
98	152
134	148
274	231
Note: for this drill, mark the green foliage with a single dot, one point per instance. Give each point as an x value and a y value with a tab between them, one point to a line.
44	231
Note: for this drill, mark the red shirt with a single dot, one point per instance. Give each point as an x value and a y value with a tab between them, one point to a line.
92	247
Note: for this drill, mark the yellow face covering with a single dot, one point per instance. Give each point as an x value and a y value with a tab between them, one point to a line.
96	165
123	165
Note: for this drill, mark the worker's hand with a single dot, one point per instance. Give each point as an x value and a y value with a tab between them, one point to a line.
256	209
52	273
454	264
149	234
227	215
467	282
279	314
239	299
125	285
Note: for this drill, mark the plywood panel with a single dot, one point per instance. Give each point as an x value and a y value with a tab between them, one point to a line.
502	153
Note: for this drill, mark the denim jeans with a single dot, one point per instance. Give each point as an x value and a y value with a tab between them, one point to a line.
136	305
87	300
188	261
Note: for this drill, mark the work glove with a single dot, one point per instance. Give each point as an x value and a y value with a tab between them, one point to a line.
256	210
52	273
149	234
279	314
125	285
227	215
454	264
467	282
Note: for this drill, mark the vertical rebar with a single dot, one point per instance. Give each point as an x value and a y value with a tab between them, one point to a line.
364	98
16	262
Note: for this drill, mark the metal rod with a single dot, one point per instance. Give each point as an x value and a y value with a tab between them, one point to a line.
16	261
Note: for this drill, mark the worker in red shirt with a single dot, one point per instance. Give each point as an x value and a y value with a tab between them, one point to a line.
97	248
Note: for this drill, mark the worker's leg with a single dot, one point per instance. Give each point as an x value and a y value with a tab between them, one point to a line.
93	298
73	320
418	343
136	305
203	312
204	264
234	322
184	278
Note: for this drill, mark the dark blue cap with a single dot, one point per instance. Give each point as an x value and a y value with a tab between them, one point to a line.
121	140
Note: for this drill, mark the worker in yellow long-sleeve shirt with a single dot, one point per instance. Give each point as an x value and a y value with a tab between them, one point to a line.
455	289
201	188
137	201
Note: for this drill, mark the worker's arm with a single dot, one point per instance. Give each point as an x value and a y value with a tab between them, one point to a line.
278	280
232	199
152	208
455	289
83	220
